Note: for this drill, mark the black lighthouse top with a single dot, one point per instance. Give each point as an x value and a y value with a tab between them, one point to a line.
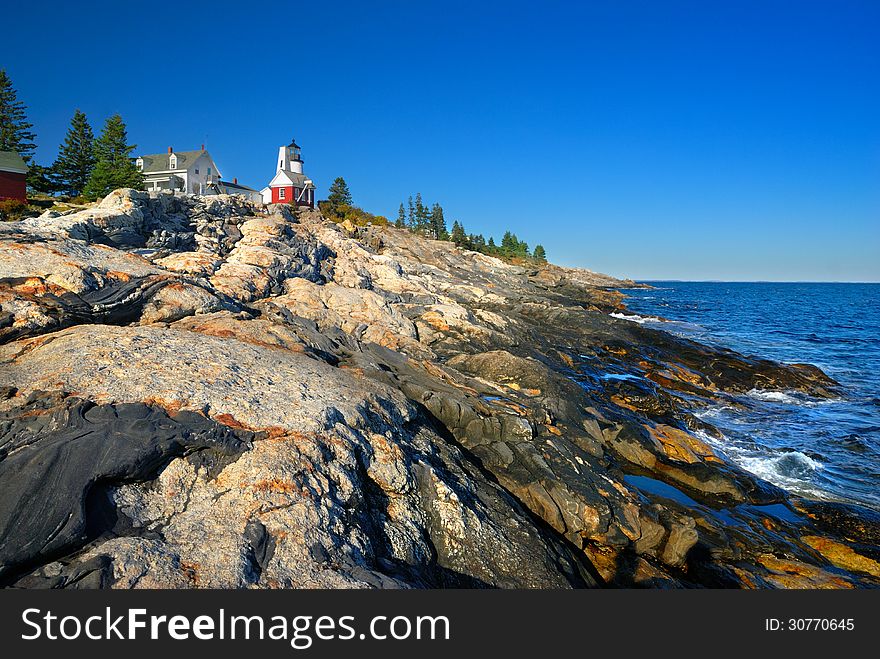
295	153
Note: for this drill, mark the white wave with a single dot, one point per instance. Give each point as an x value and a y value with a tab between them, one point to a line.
788	470
712	412
773	396
635	318
790	398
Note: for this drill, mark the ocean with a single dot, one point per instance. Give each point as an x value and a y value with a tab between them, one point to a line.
821	449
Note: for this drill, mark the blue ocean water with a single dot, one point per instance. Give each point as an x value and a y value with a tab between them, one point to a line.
815	448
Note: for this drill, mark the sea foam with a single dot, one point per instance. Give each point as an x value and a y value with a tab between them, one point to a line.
635	318
773	396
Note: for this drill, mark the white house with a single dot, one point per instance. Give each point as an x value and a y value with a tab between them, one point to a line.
185	171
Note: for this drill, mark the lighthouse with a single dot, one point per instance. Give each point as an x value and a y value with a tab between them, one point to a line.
290	158
290	185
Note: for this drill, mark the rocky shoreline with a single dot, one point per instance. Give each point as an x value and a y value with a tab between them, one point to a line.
198	393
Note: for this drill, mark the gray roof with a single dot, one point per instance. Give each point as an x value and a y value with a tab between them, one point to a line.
158	162
10	161
235	186
294	178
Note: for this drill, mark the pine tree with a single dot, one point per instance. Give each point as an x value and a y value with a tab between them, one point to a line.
339	193
15	131
42	179
539	254
421	217
491	242
508	243
411	216
114	167
458	236
76	157
438	223
401	218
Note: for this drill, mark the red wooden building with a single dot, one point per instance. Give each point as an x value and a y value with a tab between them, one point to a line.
13	172
290	185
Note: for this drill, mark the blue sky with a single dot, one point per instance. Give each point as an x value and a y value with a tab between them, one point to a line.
687	140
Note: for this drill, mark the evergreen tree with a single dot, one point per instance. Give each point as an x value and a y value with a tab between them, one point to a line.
411	214
540	254
401	218
339	193
513	246
42	179
458	236
114	167
508	243
15	131
421	211
76	157
491	243
438	223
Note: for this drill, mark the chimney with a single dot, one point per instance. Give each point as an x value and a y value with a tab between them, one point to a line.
170	150
203	147
235	180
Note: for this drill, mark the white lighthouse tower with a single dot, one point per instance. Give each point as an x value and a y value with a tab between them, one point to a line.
290	158
290	185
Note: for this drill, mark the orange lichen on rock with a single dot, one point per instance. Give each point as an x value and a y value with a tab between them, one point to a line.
842	555
172	407
270	432
682	446
38	286
435	320
786	573
622	402
277	485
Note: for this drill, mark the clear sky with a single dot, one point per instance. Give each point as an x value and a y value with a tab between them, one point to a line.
731	140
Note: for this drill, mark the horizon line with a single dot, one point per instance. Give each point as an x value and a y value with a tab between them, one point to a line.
758	281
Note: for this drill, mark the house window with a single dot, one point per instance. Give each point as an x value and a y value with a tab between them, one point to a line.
209	171
197	171
281	193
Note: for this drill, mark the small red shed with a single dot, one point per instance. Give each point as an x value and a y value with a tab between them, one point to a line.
13	173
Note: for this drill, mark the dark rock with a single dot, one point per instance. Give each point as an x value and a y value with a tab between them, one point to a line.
54	453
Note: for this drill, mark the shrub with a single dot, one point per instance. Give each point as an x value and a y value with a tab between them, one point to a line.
12	209
340	212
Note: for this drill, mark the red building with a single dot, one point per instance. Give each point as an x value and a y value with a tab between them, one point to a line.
290	185
13	173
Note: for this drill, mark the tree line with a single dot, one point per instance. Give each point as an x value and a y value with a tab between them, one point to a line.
419	218
427	221
85	165
93	167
